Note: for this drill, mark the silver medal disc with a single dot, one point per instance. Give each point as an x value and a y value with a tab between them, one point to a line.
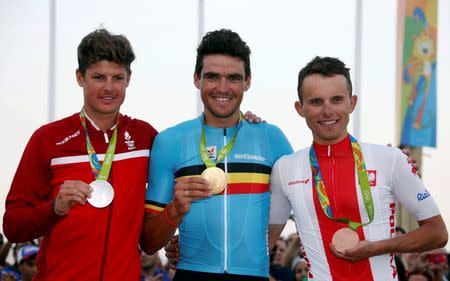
102	194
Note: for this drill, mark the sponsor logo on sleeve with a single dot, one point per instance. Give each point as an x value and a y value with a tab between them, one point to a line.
423	195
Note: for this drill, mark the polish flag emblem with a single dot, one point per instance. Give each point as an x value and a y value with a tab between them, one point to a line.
372	175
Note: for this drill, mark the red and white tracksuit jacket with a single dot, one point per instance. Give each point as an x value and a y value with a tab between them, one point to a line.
88	243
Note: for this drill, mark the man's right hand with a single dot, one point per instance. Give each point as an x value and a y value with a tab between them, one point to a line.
188	190
173	252
70	193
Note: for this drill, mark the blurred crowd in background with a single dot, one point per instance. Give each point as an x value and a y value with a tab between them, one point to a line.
287	263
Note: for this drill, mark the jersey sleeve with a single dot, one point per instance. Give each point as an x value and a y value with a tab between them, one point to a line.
409	189
280	207
29	210
279	144
161	173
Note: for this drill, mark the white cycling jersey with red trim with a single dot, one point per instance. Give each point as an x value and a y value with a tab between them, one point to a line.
392	180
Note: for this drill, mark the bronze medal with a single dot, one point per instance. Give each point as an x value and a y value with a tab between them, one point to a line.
344	239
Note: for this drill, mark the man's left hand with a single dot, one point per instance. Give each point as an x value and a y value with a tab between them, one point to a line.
361	251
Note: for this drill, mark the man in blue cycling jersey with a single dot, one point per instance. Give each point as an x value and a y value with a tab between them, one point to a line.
222	216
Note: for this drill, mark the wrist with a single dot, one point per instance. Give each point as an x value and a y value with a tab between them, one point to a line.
172	216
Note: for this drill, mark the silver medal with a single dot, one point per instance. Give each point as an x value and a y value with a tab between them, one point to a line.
102	194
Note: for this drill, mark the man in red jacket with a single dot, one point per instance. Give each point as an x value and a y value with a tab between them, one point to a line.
81	180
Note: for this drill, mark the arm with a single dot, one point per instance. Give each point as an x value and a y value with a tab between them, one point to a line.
275	231
166	203
157	229
431	233
29	208
280	207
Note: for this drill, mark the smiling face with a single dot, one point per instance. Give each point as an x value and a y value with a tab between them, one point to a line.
104	85
222	83
326	106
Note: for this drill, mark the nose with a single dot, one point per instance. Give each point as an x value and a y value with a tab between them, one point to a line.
222	84
327	108
108	86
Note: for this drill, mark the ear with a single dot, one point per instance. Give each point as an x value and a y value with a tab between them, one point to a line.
80	78
353	101
247	83
197	80
299	108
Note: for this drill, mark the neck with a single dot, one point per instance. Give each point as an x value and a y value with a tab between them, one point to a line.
225	122
103	121
322	141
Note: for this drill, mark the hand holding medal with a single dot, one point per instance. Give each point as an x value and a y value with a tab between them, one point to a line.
71	192
186	191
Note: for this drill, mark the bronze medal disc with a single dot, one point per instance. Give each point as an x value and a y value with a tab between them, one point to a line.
216	178
344	239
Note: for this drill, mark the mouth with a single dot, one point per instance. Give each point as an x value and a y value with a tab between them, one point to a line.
107	98
221	99
328	122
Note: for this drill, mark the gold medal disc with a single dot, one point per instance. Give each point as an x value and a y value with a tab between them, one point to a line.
216	178
344	239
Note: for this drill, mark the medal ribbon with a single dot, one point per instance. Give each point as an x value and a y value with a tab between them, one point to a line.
101	172
223	152
363	180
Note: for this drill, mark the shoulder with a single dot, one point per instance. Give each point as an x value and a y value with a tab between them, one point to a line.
272	132
264	126
180	130
139	125
379	151
296	157
67	127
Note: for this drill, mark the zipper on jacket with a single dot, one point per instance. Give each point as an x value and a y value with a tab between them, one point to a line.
333	166
225	223
105	247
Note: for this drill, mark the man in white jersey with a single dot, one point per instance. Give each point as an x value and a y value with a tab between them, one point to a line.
344	194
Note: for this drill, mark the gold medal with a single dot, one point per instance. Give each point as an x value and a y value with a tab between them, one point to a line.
344	239
216	178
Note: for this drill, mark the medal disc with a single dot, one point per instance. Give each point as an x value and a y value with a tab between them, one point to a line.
102	194
344	239
216	178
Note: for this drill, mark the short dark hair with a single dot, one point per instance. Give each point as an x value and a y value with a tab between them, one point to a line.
225	42
102	45
326	66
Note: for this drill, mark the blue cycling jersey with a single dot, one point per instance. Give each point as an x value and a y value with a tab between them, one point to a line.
225	232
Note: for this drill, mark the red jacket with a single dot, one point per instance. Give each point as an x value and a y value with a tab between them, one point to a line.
88	243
